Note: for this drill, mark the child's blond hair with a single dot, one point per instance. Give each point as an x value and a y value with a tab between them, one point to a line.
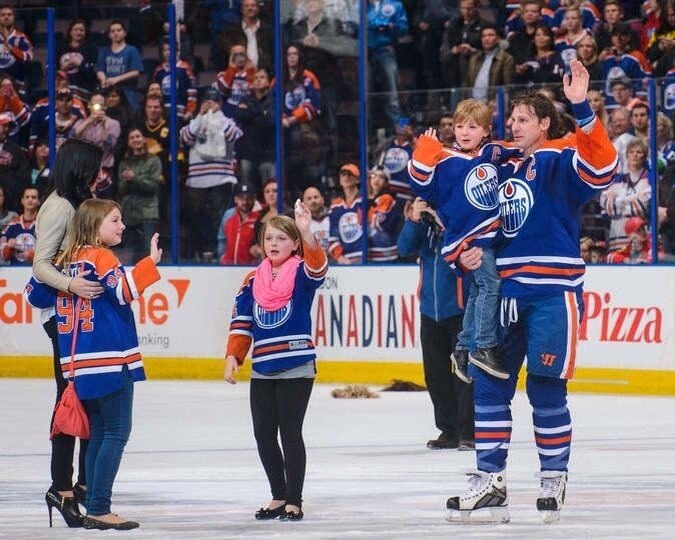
86	224
286	225
472	109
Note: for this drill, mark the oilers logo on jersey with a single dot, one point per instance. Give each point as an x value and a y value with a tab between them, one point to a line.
349	228
25	243
295	98
265	318
481	187
396	159
515	203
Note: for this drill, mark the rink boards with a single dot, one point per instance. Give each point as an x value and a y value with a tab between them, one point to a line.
366	326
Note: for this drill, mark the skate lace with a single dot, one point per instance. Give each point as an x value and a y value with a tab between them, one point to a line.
476	481
550	487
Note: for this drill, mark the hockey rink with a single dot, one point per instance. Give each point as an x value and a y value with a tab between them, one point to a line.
191	470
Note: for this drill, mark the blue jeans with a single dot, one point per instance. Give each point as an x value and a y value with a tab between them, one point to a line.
482	308
384	70
110	424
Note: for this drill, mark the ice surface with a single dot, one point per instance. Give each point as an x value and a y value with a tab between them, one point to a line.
191	470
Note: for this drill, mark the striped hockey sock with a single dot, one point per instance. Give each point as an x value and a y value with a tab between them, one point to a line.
493	436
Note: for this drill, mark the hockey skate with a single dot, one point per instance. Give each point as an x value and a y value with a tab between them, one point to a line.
552	494
484	502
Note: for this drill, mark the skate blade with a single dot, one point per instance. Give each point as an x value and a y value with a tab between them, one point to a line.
488	369
481	516
550	516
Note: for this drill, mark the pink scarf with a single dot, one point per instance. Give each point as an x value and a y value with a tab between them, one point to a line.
274	293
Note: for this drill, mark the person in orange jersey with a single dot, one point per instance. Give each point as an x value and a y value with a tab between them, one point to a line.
99	332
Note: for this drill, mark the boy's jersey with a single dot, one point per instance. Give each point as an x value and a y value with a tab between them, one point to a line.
282	338
540	200
105	338
463	189
346	230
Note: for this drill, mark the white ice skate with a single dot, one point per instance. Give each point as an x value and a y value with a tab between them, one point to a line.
484	502
552	494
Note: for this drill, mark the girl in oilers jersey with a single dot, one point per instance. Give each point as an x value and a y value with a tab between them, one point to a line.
272	310
541	269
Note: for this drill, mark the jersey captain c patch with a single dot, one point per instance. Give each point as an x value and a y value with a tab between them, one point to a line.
515	203
480	187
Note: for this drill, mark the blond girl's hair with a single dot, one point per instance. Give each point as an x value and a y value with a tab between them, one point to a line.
285	224
86	224
472	109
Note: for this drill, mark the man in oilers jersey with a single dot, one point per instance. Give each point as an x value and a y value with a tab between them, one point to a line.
542	273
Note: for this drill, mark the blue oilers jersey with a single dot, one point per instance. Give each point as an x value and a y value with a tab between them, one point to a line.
540	199
395	158
23	234
346	230
282	338
464	190
104	339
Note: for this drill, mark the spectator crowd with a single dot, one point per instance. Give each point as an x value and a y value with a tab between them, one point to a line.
114	88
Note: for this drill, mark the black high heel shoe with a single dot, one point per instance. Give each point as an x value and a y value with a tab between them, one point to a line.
269	513
291	515
66	506
80	494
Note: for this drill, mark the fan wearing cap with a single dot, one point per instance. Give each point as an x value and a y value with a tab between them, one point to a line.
638	247
629	195
14	166
39	118
623	61
346	218
384	222
212	163
236	236
11	102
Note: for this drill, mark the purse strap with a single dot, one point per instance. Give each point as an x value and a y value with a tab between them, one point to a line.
77	305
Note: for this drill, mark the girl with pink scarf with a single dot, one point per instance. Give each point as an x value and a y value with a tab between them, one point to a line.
272	310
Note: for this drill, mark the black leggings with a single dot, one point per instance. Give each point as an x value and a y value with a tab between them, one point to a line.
63	446
279	405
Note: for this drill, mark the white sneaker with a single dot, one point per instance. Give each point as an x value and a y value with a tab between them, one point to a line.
552	494
484	502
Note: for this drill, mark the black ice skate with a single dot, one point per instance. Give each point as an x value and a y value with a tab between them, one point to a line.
488	360
484	502
552	494
460	364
